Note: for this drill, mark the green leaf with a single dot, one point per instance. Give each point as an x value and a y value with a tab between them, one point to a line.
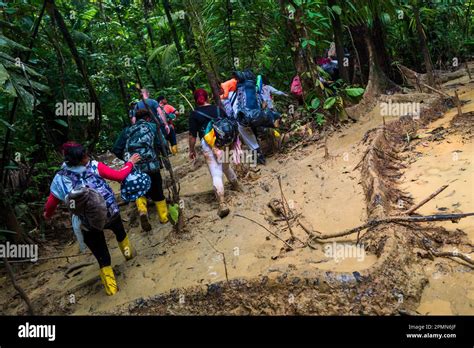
320	120
3	74
337	9
173	211
354	92
61	122
8	125
315	103
6	42
329	103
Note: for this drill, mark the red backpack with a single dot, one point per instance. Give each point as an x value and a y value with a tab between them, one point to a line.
296	87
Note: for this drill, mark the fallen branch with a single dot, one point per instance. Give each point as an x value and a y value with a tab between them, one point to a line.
452	254
435	90
273	234
219	252
362	159
284	204
18	288
426	200
52	258
458	103
76	267
394	219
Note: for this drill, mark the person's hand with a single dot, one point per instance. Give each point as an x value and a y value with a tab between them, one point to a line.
192	155
135	158
167	128
46	217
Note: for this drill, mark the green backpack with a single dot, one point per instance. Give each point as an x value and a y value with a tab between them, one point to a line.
141	140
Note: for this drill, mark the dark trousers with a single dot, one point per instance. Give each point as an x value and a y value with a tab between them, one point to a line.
171	137
95	240
156	190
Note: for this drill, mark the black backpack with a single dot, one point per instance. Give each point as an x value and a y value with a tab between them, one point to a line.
225	129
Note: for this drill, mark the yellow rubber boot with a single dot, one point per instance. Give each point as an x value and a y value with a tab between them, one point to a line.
141	205
162	210
108	279
174	149
128	251
142	210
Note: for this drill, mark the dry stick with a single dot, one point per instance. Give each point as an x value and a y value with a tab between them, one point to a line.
53	258
362	159
76	267
452	254
373	223
17	287
326	150
468	71
436	90
426	200
284	204
273	234
458	103
219	252
417	79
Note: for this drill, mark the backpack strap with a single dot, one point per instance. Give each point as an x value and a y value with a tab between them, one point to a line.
234	97
207	116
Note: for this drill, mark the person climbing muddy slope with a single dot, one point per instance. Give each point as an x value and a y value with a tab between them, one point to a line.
80	184
212	143
142	138
169	112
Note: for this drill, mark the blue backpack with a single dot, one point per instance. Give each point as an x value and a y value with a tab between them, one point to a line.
94	200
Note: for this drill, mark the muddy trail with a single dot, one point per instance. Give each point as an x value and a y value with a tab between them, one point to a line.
256	262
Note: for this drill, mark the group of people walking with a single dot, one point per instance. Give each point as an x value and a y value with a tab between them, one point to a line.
247	108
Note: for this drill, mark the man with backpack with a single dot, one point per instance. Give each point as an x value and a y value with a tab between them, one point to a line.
147	103
168	112
246	106
217	132
81	185
142	138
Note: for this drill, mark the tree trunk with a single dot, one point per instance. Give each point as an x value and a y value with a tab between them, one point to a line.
378	80
424	46
229	32
112	49
147	24
339	42
207	57
358	34
94	129
382	59
174	33
302	58
6	145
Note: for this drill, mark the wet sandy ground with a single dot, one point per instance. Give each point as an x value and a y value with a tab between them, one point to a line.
326	191
447	161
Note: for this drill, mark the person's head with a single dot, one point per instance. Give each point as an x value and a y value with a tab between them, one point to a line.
201	97
162	100
265	80
142	114
145	94
74	154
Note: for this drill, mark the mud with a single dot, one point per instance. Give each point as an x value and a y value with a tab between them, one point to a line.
186	274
